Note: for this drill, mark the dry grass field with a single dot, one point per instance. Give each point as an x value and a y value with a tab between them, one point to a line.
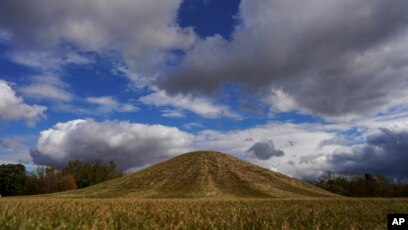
119	213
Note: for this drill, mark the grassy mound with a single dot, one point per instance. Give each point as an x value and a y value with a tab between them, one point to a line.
202	174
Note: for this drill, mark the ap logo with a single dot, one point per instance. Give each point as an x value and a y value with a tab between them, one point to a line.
397	221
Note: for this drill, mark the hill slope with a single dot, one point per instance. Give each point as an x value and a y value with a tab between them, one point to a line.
202	174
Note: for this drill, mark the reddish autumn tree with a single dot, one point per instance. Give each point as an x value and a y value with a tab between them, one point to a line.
49	180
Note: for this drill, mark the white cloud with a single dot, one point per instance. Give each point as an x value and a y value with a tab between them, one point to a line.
13	107
280	101
75	58
108	104
40	60
336	141
128	144
47	87
192	125
396	115
44	91
200	106
138	80
48	60
172	113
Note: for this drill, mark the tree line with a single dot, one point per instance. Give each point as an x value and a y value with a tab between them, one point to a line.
15	180
366	185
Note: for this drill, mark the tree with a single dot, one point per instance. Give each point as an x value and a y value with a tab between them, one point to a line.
33	184
49	180
366	185
87	174
58	181
12	179
384	186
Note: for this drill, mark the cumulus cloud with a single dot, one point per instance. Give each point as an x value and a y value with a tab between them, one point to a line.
200	106
385	152
128	144
264	150
323	57
13	107
140	29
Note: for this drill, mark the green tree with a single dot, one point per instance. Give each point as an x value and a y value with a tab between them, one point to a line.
33	184
87	174
12	179
384	187
366	185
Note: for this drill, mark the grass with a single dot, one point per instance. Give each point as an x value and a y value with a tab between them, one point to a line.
202	174
120	213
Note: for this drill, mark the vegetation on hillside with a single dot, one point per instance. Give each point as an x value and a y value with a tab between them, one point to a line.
202	174
40	213
362	186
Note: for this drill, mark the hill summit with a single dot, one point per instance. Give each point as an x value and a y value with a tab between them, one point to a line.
202	174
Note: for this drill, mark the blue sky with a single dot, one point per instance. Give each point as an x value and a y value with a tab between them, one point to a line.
300	88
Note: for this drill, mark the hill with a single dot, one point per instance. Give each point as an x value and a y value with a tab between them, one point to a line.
202	174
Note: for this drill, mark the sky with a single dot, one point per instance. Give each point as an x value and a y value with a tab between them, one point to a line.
301	88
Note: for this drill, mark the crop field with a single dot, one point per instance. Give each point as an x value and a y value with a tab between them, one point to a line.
119	213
